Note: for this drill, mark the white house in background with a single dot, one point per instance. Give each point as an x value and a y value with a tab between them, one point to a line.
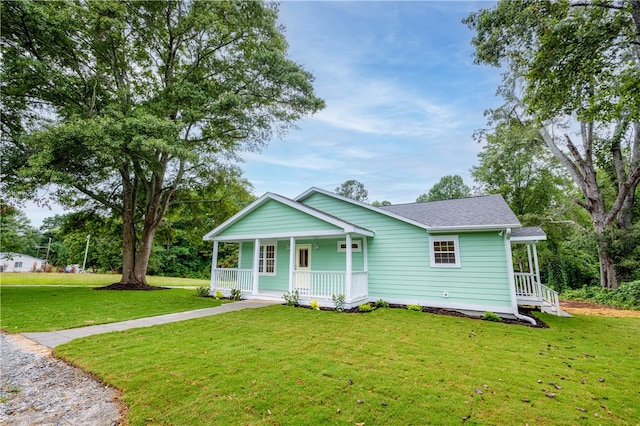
18	262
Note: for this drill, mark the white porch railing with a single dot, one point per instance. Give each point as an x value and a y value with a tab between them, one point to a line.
531	292
227	279
526	285
324	284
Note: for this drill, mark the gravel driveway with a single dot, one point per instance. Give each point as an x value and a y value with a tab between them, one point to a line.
38	389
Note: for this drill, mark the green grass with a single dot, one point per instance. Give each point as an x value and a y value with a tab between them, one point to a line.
49	308
288	366
88	280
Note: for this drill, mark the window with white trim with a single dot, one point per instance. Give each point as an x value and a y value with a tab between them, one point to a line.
17	265
355	246
445	251
267	259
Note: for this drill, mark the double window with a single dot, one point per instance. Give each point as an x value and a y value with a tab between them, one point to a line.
267	259
445	251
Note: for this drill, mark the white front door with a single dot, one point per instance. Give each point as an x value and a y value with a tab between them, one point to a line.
303	266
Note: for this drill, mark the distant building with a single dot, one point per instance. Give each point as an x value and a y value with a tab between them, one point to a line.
18	262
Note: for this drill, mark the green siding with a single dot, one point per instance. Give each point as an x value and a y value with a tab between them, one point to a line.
275	217
399	265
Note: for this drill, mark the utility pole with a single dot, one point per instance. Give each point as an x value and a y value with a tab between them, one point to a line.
86	250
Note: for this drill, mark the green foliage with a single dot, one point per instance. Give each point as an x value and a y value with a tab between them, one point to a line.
382	303
626	296
415	308
16	233
381	203
292	298
338	302
354	190
365	307
236	294
121	128
219	295
490	316
314	305
447	188
203	292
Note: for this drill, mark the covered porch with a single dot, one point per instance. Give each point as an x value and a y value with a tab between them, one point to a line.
529	288
318	267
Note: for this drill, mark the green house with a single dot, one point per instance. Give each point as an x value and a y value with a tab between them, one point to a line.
452	254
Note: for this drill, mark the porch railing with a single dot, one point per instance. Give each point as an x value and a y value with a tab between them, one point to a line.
323	285
526	285
529	290
227	279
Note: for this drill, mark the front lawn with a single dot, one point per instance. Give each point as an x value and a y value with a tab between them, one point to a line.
89	280
288	366
49	308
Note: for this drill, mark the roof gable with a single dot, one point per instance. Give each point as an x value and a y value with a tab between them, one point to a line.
310	220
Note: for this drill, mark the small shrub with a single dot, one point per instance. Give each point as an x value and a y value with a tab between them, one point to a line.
292	299
490	316
339	302
315	305
202	291
416	308
236	294
219	295
382	303
365	307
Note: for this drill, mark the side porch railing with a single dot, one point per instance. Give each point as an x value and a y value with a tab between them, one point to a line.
530	292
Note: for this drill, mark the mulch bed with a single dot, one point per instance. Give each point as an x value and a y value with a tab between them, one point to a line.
137	287
440	311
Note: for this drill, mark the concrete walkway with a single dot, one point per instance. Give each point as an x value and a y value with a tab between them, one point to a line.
55	338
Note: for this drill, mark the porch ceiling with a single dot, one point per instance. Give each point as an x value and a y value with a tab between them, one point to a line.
287	235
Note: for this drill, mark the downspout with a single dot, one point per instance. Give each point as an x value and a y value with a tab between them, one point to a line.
512	283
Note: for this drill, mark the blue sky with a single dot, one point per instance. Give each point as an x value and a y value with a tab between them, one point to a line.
403	100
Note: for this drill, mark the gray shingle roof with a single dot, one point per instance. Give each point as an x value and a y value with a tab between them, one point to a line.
484	211
530	232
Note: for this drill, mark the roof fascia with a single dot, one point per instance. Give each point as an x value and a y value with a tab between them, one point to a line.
524	239
478	228
314	190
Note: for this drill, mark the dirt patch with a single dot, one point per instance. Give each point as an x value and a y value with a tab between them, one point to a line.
590	308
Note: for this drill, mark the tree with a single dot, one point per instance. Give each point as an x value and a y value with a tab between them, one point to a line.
447	188
381	203
514	164
354	190
575	65
122	104
16	233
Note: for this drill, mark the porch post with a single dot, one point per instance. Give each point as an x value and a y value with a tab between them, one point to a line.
349	271
365	255
214	261
256	263
292	262
537	268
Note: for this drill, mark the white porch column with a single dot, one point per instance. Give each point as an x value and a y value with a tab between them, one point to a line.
537	268
365	255
349	272
292	262
530	265
214	261
256	263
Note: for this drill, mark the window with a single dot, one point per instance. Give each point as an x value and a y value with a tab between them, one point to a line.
445	251
267	259
17	265
355	246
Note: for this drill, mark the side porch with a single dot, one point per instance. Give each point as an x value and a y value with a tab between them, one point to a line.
528	286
